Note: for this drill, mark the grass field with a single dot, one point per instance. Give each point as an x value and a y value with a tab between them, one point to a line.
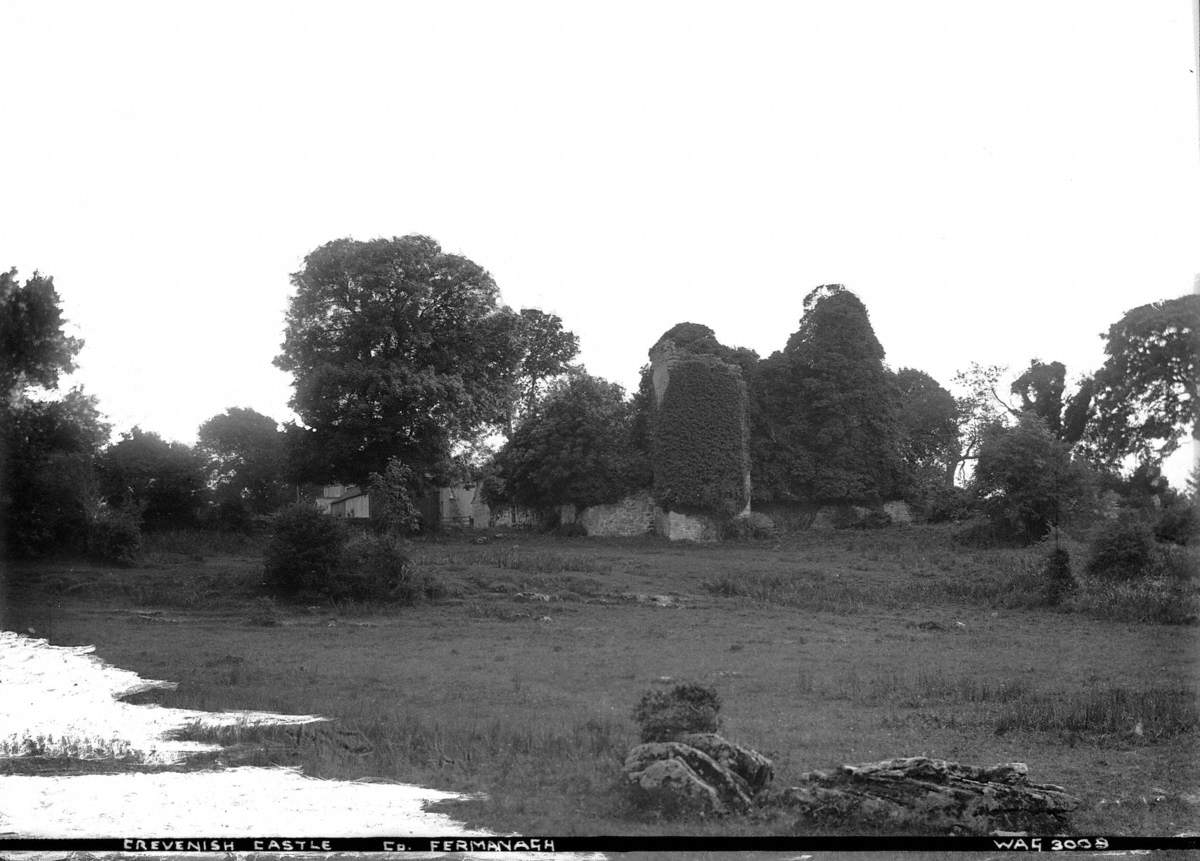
826	648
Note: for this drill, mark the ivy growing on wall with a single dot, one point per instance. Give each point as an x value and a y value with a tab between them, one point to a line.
700	450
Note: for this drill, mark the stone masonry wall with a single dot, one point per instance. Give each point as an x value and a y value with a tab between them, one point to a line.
633	515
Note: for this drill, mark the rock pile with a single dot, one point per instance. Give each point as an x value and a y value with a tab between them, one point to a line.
931	794
704	774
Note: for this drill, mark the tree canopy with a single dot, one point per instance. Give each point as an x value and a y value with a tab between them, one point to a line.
244	457
47	445
163	481
824	414
48	490
546	352
928	427
574	450
1145	393
34	348
396	349
1026	478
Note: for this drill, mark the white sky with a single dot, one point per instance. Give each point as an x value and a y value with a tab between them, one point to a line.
995	182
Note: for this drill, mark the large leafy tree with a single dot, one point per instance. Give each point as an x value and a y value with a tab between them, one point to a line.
547	350
49	487
1145	396
396	349
927	415
162	481
575	450
1042	389
244	457
47	444
34	348
1026	478
824	420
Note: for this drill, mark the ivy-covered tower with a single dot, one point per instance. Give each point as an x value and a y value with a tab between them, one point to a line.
700	449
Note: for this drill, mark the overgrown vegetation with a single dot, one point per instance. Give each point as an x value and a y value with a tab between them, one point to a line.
114	535
684	708
1123	551
313	556
304	550
700	438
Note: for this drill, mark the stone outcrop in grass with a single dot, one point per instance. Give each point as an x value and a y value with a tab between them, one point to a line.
703	774
700	774
923	794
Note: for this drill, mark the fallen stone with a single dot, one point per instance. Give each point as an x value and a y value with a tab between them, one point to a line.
679	778
749	765
931	795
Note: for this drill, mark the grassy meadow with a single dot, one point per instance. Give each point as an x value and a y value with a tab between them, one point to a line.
826	648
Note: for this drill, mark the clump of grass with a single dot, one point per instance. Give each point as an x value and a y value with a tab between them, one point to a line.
542	561
927	688
1170	603
809	590
68	748
1151	714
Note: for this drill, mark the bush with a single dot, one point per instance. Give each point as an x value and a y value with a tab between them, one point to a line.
114	535
1059	581
1122	551
570	530
230	515
687	707
1175	565
1026	480
304	550
946	504
1179	522
378	568
982	533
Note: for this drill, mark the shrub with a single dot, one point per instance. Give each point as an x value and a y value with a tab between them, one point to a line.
304	550
378	568
1059	581
946	504
687	707
1143	601
229	515
394	491
114	535
1027	481
1179	522
1175	565
982	533
1122	551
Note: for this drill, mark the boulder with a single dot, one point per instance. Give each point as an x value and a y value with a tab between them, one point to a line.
926	794
748	764
701	773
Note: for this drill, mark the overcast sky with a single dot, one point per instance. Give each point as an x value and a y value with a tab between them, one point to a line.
996	182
